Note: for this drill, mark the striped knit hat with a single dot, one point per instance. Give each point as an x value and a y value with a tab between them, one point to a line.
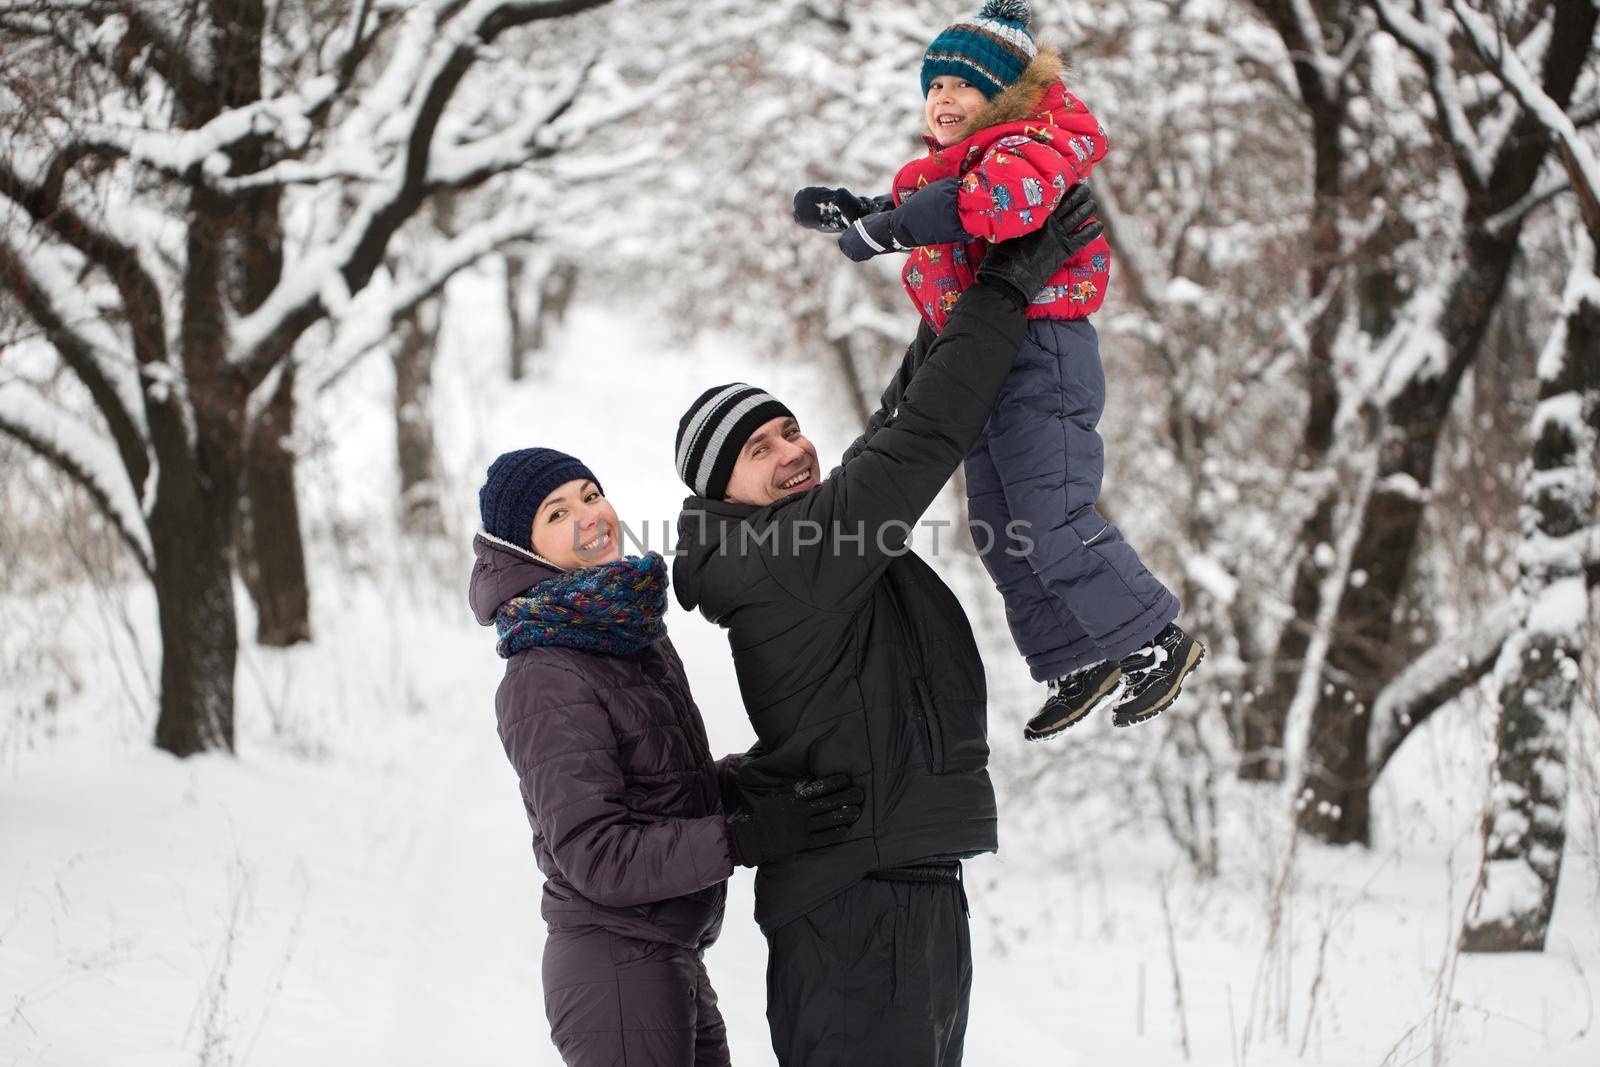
991	51
715	428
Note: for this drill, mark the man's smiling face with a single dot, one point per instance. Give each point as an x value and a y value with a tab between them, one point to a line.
777	461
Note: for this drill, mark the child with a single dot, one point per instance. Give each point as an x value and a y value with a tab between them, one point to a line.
1005	140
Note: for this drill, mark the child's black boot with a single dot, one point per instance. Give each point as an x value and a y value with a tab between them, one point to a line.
1072	698
1154	675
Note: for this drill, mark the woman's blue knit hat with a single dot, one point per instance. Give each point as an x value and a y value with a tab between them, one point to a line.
991	51
517	484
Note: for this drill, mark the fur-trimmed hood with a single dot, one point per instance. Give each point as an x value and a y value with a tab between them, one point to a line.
1019	99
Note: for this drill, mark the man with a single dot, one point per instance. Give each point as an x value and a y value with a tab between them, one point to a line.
853	656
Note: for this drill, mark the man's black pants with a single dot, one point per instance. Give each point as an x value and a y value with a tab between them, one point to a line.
880	975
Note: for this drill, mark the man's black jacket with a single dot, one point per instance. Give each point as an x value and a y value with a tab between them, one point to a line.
852	656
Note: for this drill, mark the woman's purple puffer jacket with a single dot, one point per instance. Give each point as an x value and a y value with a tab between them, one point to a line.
617	779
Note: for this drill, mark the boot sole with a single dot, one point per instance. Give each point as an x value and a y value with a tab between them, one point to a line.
1105	698
1196	653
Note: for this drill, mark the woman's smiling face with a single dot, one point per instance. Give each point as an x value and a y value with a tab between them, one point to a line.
577	527
951	101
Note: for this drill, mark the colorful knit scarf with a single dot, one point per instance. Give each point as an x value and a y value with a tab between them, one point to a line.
615	608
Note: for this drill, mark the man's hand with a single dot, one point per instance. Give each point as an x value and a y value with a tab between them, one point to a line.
1020	267
813	813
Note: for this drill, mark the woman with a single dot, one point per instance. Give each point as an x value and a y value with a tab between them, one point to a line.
626	803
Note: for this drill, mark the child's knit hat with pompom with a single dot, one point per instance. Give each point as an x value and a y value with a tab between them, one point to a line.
991	50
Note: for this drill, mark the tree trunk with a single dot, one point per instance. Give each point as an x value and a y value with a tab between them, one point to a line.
556	289
1362	656
1261	723
532	309
413	354
272	553
191	534
516	271
1525	827
271	549
192	520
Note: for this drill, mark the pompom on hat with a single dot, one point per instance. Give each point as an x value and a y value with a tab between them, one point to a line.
990	50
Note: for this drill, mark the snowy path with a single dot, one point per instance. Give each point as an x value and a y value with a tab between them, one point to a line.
469	915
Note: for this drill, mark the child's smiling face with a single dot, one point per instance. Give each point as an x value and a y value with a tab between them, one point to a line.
952	100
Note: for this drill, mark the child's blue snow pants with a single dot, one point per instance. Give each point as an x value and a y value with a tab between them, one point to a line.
1076	593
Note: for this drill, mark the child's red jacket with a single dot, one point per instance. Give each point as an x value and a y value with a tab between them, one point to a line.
1030	144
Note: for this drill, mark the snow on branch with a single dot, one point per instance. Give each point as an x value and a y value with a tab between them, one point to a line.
1335	584
136	32
1583	166
141	297
80	454
1327	69
1427	38
528	138
344	267
1537	197
366	328
44	294
1434	679
178	153
351	168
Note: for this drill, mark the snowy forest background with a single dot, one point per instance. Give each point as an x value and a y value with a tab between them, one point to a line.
278	279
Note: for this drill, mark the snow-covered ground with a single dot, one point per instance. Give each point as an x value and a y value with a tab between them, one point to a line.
356	886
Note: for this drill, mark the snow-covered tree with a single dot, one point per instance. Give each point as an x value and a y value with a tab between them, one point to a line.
1537	673
170	159
1498	149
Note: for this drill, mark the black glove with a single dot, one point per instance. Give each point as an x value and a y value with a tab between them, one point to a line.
1020	267
927	218
815	812
831	210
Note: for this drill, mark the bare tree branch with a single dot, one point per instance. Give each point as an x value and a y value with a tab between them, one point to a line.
183	153
494	19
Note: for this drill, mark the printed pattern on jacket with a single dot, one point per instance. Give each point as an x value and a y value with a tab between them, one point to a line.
1013	174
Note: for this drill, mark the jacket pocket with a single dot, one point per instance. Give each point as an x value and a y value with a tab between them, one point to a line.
954	739
957	733
1090	527
924	723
